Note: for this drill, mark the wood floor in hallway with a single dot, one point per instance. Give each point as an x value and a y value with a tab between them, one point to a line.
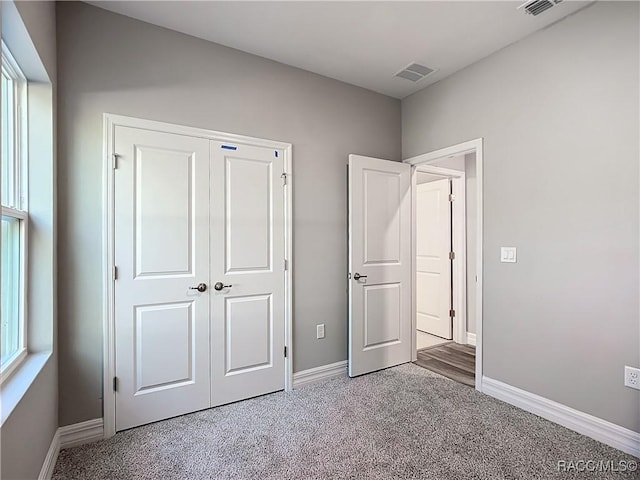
452	360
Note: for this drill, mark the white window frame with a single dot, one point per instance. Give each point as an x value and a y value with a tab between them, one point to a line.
18	208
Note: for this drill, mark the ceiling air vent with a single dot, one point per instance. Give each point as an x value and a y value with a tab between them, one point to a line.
538	6
415	72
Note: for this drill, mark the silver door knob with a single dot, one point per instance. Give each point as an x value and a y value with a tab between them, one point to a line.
357	276
201	287
219	286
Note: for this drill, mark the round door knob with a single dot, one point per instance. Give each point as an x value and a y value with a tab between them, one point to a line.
219	286
201	287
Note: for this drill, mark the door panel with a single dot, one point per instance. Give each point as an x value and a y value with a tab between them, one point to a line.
247	236
433	266
164	222
161	250
249	225
379	251
164	345
248	327
381	195
382	314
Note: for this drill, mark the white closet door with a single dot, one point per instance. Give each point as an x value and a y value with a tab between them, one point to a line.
161	252
247	263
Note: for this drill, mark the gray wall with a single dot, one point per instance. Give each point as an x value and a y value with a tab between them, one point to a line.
27	433
559	112
110	63
29	429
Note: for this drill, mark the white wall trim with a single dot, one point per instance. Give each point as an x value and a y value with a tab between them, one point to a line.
471	339
108	247
49	464
110	121
70	436
319	374
288	287
452	151
606	432
81	433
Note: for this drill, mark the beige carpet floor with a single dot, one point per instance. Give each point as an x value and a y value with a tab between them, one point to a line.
400	423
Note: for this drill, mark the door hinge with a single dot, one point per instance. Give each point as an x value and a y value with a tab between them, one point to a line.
284	178
115	272
286	265
115	384
115	160
285	352
452	255
452	197
452	313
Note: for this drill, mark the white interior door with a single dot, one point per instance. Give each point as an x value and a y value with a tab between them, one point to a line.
247	258
433	265
161	251
379	264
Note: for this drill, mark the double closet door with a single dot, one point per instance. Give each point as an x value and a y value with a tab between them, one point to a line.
200	287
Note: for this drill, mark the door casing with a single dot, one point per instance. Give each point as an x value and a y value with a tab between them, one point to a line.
421	161
110	121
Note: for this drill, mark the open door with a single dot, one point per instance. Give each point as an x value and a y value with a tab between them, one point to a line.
379	264
433	262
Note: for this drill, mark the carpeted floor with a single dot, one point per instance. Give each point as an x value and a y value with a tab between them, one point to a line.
404	422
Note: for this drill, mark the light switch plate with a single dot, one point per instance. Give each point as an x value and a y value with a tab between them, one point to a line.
508	254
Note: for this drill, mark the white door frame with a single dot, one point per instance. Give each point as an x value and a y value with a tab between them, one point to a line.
110	121
459	239
472	146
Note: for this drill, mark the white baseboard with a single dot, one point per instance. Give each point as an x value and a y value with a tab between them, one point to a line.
319	374
50	460
606	432
70	436
81	433
471	339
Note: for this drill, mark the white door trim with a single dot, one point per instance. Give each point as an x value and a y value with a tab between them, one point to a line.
461	149
459	238
110	121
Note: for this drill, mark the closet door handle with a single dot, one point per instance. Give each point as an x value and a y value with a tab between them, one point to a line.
219	286
201	287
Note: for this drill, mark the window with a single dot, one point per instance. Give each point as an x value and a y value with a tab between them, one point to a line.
13	332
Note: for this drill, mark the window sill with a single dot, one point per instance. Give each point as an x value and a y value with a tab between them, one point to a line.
16	386
14	365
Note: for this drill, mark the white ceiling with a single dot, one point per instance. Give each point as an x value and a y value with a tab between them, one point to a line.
362	43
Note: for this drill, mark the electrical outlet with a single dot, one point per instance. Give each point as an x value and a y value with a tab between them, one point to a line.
320	331
632	377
